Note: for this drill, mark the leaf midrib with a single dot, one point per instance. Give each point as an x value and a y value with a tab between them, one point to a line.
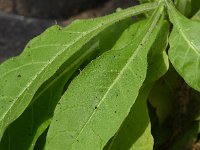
63	50
149	31
61	75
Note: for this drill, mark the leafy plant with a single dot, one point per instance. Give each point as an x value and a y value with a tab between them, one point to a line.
112	82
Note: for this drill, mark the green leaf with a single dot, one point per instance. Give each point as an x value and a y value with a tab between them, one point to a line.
184	50
158	62
21	77
135	132
108	87
33	122
38	115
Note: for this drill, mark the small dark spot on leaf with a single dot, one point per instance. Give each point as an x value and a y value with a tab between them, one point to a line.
95	107
19	76
115	111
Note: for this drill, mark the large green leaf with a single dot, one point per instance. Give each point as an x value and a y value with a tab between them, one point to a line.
99	99
38	115
184	50
21	77
135	132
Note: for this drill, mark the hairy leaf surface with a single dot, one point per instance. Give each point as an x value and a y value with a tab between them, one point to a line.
38	115
135	132
99	99
184	50
44	55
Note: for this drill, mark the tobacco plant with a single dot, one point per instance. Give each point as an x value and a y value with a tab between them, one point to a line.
128	80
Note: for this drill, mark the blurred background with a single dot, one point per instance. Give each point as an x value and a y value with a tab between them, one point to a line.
21	20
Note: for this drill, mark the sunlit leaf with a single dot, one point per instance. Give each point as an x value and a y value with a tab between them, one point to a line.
38	115
108	88
44	55
135	132
184	50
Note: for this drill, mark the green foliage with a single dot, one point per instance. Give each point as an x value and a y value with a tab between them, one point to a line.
187	7
184	50
87	86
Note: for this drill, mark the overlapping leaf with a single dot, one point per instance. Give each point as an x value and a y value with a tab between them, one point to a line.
135	132
184	50
38	115
44	55
99	99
